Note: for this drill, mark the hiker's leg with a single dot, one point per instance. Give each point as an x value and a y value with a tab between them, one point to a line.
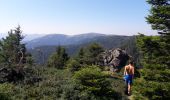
126	84
129	88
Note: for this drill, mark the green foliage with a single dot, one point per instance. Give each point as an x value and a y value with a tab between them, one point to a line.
4	96
51	87
49	83
58	59
63	85
90	55
106	41
81	56
5	91
159	15
159	18
151	89
154	83
30	60
73	65
12	51
95	83
156	53
131	48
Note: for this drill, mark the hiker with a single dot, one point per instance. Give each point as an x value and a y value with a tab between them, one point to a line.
129	74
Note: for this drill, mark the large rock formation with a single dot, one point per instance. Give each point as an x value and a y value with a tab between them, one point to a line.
115	58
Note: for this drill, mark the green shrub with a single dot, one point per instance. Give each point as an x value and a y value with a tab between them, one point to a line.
73	65
4	96
58	59
6	91
95	83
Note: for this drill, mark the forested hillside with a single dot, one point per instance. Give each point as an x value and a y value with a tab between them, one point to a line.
62	77
41	53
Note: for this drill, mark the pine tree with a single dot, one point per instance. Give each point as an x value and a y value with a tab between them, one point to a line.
89	55
12	51
93	54
159	19
81	56
58	59
155	81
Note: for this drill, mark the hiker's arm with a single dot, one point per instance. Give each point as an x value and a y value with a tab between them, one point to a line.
133	72
125	71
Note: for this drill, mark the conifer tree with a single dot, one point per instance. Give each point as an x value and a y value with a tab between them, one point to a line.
159	19
12	50
81	56
155	81
58	59
93	54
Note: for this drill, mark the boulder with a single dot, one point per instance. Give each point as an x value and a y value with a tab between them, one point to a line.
115	58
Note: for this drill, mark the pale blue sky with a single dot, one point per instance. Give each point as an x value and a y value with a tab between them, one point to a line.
122	17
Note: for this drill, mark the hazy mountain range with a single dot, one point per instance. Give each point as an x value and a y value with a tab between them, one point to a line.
41	48
61	39
27	37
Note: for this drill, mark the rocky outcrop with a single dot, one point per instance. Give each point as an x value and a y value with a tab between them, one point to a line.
115	58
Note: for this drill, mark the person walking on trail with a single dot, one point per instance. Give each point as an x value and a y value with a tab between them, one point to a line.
129	74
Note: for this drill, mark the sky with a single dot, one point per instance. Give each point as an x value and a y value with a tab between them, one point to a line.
120	17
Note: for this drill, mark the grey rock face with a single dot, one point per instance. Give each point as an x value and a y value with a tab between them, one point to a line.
115	58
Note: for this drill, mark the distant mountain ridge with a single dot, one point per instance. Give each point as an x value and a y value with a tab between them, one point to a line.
61	39
27	37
